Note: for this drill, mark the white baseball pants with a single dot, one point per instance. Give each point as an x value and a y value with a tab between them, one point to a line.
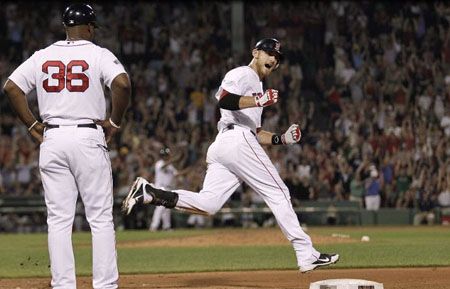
372	202
236	156
74	159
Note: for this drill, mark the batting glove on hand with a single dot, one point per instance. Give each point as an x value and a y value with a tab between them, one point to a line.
292	135
268	98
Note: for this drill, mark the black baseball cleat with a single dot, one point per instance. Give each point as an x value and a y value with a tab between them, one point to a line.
135	195
323	260
157	197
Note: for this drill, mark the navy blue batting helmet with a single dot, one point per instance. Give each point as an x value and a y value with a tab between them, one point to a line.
79	14
270	45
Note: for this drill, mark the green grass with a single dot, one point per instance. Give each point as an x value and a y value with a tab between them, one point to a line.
393	247
25	255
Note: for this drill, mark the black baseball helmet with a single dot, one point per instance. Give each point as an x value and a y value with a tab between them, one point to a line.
270	45
79	14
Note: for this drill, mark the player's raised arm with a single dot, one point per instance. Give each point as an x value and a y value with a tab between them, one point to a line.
292	135
233	101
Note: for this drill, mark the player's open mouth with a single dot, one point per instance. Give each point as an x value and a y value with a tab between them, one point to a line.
268	66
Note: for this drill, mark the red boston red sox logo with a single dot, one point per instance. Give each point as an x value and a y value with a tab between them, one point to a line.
65	78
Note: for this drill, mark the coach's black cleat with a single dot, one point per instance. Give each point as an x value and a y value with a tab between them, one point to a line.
323	260
143	192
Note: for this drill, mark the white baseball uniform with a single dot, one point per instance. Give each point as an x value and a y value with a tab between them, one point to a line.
237	156
69	78
165	178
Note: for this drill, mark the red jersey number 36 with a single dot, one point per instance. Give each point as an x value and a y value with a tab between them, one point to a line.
64	79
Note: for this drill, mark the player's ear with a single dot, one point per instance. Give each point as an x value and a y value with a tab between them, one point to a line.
255	53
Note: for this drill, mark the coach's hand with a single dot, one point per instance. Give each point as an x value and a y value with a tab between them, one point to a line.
292	135
268	98
37	132
108	129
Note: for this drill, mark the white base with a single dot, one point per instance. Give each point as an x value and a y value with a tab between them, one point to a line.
345	284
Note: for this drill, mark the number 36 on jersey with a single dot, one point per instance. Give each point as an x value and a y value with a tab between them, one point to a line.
70	76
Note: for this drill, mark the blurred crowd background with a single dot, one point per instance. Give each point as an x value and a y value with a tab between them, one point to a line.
369	83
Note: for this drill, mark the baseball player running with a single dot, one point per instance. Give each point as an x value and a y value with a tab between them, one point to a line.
69	78
165	174
236	155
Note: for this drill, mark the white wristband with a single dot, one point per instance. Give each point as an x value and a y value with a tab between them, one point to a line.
113	124
31	126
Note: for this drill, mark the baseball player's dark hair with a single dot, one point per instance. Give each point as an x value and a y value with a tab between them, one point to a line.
230	101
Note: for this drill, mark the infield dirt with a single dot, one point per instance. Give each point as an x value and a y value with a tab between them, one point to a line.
392	278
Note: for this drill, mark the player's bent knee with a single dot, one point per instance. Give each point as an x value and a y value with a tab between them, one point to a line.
211	210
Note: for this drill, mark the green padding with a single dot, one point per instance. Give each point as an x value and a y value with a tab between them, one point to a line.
368	217
445	211
349	218
337	204
394	216
22	201
313	218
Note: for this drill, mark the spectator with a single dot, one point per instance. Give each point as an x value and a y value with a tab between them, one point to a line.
373	186
444	195
426	205
403	179
357	188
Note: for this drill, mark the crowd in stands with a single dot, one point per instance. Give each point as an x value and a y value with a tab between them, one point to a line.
369	83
